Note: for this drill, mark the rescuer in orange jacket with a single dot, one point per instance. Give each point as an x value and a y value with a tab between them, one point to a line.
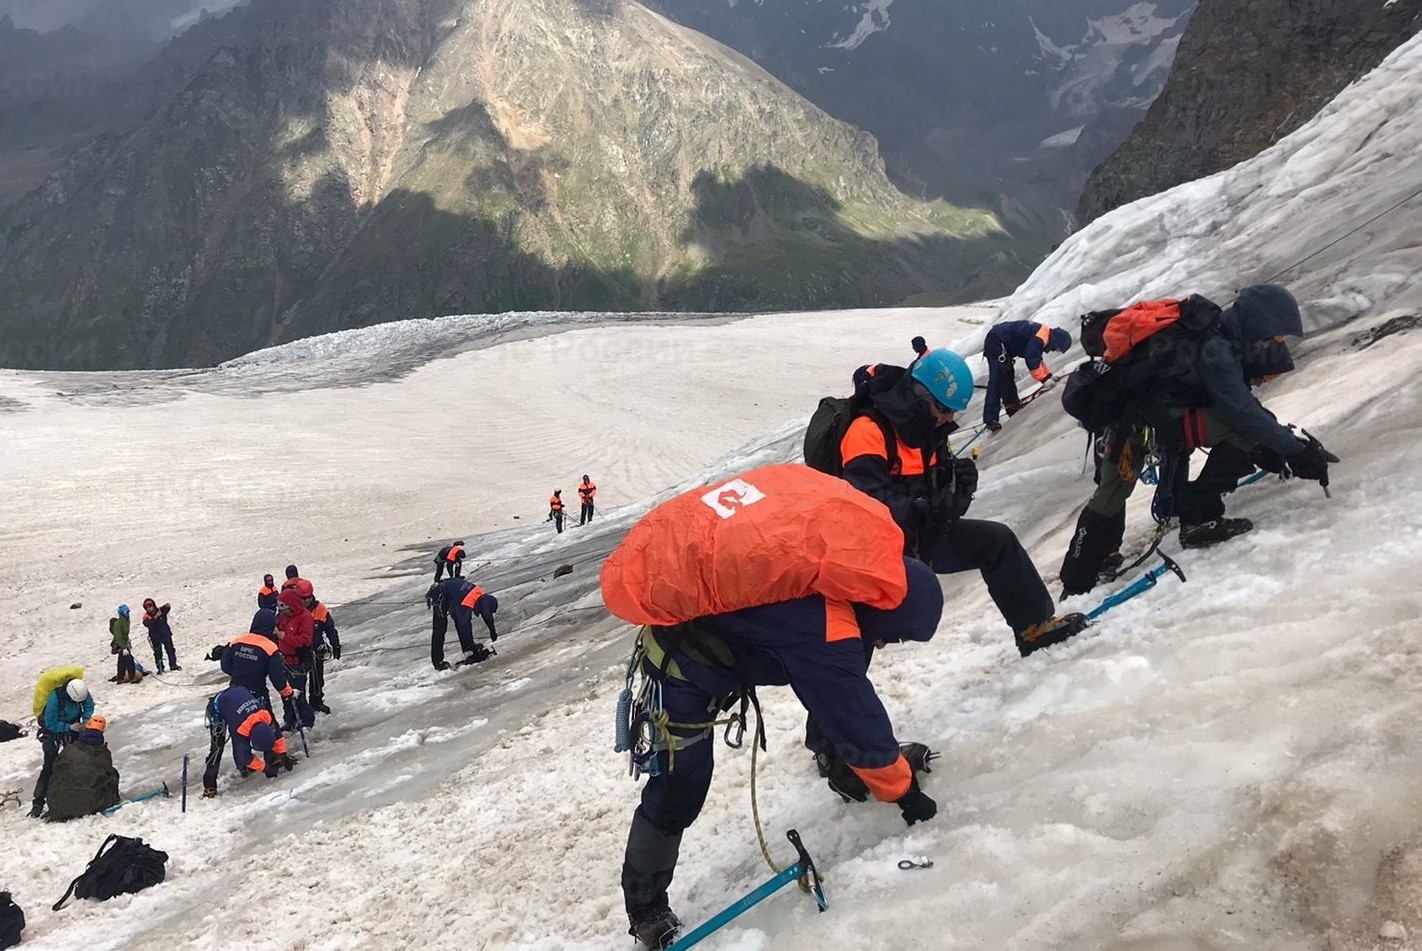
587	491
450	557
817	647
1006	342
267	593
326	642
555	509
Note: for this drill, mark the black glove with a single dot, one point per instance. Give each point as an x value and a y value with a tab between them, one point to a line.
271	769
957	482
1267	459
336	651
1310	463
915	805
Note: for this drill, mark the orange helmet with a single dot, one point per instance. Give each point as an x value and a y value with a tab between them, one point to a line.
97	722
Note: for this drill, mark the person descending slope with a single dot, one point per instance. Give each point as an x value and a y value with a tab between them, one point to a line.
237	713
1005	344
835	582
462	599
450	558
1185	387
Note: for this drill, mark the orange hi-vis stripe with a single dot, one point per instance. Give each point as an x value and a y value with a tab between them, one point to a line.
454	555
840	622
261	716
865	438
320	612
264	644
472	598
887	783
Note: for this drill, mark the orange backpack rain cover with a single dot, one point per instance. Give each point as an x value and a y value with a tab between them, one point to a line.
773	534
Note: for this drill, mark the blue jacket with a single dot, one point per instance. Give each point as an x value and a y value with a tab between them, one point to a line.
1022	338
235	705
251	659
60	711
1261	312
818	649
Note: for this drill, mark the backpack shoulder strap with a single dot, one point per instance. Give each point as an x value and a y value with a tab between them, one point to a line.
70	890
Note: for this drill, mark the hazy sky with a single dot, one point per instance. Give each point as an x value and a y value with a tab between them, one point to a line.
123	19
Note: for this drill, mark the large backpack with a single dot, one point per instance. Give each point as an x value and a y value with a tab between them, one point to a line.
50	681
12	921
774	534
1135	349
130	866
834	414
10	731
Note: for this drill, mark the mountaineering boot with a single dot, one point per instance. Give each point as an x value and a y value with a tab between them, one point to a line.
994	427
1213	532
656	931
321	707
1053	630
37	809
208	792
1011	408
175	667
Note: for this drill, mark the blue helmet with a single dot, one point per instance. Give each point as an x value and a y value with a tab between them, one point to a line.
123	610
946	377
1059	340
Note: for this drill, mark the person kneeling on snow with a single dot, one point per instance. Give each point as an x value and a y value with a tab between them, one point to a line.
462	599
236	711
1200	396
840	542
84	781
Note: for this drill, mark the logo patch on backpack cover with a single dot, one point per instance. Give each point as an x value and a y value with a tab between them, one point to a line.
728	499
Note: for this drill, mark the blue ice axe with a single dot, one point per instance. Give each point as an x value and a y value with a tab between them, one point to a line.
803	870
1139	586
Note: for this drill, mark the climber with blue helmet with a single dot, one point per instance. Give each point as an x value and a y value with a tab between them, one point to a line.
121	646
1006	342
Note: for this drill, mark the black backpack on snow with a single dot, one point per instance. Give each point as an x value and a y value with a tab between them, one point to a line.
10	731
1128	389
12	921
130	866
834	414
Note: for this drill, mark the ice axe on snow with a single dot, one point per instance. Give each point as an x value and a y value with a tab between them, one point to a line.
1141	585
803	870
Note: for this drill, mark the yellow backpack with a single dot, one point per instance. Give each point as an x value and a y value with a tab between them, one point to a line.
50	681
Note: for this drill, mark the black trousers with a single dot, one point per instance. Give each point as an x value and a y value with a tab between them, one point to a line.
160	642
126	670
587	512
51	744
671	801
316	686
992	549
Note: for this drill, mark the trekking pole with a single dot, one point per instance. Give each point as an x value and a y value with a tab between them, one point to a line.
1139	586
803	870
185	783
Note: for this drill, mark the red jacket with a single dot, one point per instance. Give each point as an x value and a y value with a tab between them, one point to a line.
296	627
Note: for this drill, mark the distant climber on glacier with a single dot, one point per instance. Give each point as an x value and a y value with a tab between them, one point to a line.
679	561
1198	374
267	593
555	510
462	599
1006	343
866	373
450	558
587	492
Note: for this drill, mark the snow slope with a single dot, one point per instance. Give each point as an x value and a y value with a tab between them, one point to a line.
1230	762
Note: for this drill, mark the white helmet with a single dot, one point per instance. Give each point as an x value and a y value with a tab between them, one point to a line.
78	690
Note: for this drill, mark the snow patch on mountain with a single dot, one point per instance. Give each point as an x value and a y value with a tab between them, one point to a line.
875	17
1091	66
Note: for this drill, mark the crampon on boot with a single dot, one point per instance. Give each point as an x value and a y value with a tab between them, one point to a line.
1051	631
657	930
1213	532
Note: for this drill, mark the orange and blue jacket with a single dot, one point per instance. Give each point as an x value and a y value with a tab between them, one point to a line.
1028	340
897	482
242	712
267	597
250	659
323	627
555	503
587	490
816	646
